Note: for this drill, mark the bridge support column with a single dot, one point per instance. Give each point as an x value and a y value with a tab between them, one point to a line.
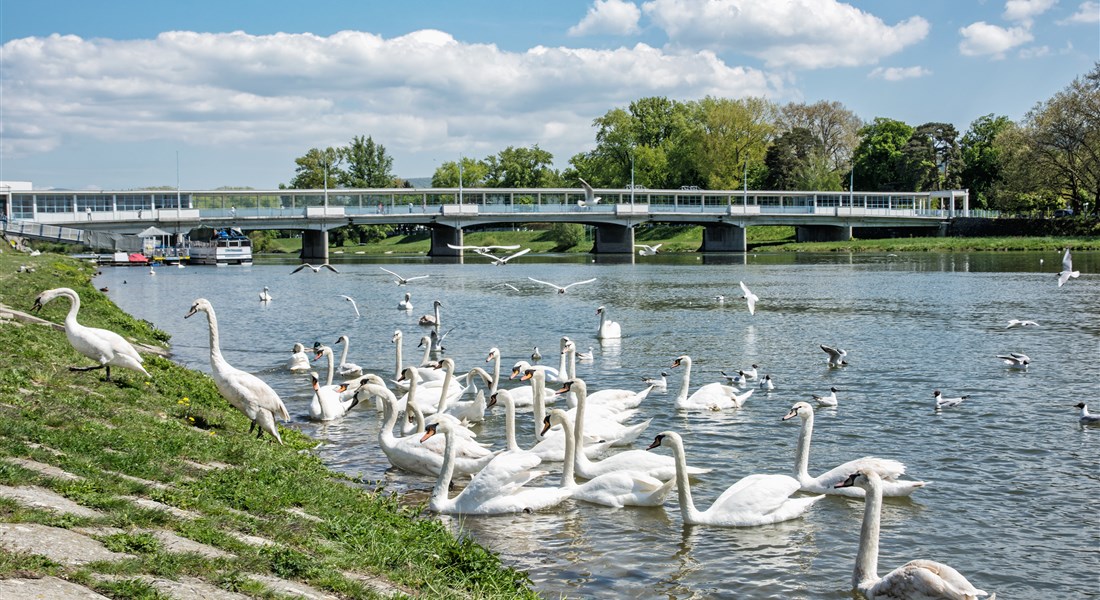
822	233
314	246
722	237
443	235
613	239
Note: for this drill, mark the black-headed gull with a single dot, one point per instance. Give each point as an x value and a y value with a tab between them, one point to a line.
1067	270
647	250
749	297
315	269
483	249
503	260
942	402
658	384
403	280
1087	418
836	356
767	384
590	197
562	288
829	400
353	304
1015	360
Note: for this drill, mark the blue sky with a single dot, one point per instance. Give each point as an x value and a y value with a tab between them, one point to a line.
103	95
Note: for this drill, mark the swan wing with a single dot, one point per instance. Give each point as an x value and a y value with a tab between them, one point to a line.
579	283
517	254
925	579
624	488
253	391
390	272
887	469
506	473
755	494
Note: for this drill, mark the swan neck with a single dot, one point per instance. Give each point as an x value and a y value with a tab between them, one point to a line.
389	413
74	307
331	366
563	373
427	354
215	343
538	405
867	558
802	452
683	487
443	482
510	424
344	355
568	479
496	374
443	390
685	381
397	369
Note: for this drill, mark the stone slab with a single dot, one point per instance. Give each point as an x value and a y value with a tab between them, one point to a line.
46	588
252	540
59	545
180	545
39	497
138	480
380	585
187	588
154	505
294	589
43	469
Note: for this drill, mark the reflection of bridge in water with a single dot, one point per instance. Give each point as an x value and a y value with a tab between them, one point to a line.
817	216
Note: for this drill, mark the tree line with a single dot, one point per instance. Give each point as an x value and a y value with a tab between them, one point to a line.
1048	160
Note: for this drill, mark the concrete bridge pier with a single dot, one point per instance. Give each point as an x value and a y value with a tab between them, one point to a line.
822	233
443	235
723	237
613	239
314	246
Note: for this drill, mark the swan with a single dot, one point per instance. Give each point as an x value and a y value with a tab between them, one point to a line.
712	396
917	579
608	330
498	488
424	372
406	304
244	391
655	465
753	500
431	400
432	320
470	411
1067	269
325	351
524	396
660	385
647	250
889	470
1087	418
299	360
331	401
347	369
605	427
942	402
836	356
265	296
615	489
767	384
829	400
749	297
550	445
105	347
403	280
408	453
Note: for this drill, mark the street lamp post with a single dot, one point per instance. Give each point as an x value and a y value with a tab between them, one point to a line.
460	180
632	177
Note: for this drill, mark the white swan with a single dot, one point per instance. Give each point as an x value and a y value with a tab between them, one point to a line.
606	427
434	319
431	400
347	369
550	445
299	360
265	296
615	489
753	500
1086	417
915	580
325	351
105	347
889	470
424	373
655	465
829	400
608	329
406	304
496	489
331	401
524	396
712	396
244	391
470	411
942	402
647	250
468	446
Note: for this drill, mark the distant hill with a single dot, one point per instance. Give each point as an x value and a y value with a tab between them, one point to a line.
419	182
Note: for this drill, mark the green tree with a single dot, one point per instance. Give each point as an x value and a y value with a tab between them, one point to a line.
835	127
567	235
797	161
521	168
1025	185
368	165
315	167
729	135
879	162
981	160
473	174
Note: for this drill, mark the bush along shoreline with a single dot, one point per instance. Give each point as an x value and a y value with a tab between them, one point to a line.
162	475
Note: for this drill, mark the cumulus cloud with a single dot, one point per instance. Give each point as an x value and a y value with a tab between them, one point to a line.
1025	11
1087	13
898	73
800	34
614	17
982	39
420	92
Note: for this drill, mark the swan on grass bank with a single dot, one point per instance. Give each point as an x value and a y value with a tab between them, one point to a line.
888	470
244	391
753	500
105	347
916	580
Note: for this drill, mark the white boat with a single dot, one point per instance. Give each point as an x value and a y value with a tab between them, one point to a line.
221	247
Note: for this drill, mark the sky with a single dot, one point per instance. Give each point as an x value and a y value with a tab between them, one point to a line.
124	94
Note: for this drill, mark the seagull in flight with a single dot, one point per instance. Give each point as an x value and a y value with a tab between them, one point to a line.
1015	360
503	260
353	304
561	289
647	250
403	280
836	356
590	197
1018	323
942	402
483	249
1067	270
316	269
749	297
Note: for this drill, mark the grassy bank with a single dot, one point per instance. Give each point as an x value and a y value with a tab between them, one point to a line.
162	431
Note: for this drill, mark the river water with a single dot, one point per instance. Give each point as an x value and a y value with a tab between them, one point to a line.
1014	498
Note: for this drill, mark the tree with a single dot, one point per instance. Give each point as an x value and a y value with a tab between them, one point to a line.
368	164
797	161
312	168
981	160
521	168
1024	184
473	174
566	235
879	162
833	125
731	134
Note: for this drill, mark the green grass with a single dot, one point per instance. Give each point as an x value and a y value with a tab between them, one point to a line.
941	244
151	428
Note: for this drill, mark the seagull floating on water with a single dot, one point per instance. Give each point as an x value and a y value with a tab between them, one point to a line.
536	356
1087	418
749	297
1015	360
766	383
942	402
316	269
658	384
836	356
562	288
1067	270
403	280
829	400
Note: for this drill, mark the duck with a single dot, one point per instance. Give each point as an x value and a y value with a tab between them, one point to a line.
299	360
829	400
889	470
1086	417
917	579
608	329
712	396
942	402
753	500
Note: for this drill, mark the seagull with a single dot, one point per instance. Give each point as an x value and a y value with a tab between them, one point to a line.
647	250
750	373
1015	360
658	384
590	197
586	355
738	379
942	402
749	297
152	272
483	249
402	280
766	383
511	287
536	356
498	260
1018	323
316	269
1087	418
264	296
836	356
720	299
561	289
1067	270
353	304
829	400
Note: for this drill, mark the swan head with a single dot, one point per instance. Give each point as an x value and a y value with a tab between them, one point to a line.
681	360
319	351
573	384
493	353
397	335
564	341
800	409
42	299
672	436
432	429
202	304
437	303
556	417
568	346
447	364
498	397
343	339
372	379
316	379
408	374
298	348
600	310
864	479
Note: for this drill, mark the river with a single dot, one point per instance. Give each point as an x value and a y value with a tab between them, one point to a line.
1014	498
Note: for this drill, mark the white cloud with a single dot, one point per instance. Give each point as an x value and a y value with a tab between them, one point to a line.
614	17
981	39
1025	11
898	73
421	92
1087	13
1034	52
802	34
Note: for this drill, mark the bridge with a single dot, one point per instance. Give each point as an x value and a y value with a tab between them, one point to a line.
448	212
